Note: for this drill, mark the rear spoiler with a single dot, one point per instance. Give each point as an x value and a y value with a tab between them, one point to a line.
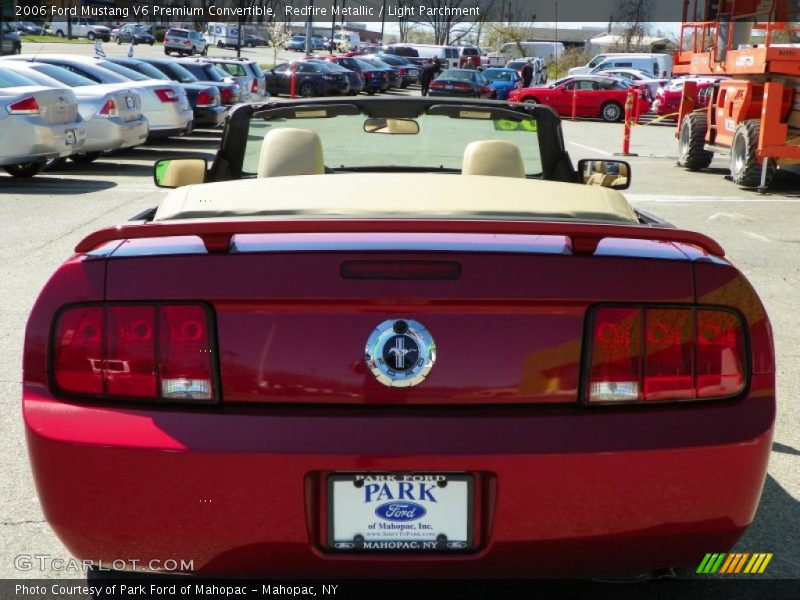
217	235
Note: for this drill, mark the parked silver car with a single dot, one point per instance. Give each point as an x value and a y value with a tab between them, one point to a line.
184	42
112	112
163	103
247	74
37	123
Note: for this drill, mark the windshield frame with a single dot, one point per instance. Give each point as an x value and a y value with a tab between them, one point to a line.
554	159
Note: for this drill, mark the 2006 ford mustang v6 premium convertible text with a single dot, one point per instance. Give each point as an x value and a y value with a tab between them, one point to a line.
400	338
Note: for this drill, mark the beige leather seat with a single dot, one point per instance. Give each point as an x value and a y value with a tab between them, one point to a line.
290	151
493	157
184	172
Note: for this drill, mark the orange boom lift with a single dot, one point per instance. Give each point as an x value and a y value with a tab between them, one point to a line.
754	115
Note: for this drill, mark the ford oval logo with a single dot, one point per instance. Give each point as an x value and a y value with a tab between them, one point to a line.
400	511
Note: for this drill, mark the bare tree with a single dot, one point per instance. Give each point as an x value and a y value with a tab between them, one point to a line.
633	18
279	34
500	33
404	24
446	14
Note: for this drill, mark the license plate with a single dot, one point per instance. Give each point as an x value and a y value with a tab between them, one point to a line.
448	86
400	512
70	137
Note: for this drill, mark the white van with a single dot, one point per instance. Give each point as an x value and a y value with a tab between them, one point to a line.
352	40
657	64
549	51
448	55
222	35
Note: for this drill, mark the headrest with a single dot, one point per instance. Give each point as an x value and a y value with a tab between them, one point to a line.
493	157
290	151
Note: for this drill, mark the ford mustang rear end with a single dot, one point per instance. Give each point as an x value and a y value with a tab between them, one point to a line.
421	395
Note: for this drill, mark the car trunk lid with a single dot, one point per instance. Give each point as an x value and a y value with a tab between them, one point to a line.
294	311
56	106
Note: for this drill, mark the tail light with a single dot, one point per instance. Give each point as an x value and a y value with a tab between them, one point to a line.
403	71
135	351
227	94
656	354
254	87
167	95
26	106
437	84
205	98
109	109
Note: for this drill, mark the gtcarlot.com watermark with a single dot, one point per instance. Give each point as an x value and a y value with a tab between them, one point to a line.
49	563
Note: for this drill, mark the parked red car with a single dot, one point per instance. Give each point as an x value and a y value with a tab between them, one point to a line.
593	97
497	369
667	102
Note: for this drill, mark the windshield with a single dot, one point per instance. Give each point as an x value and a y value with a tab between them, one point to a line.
177	73
438	146
148	70
8	79
500	75
63	76
206	72
457	75
124	71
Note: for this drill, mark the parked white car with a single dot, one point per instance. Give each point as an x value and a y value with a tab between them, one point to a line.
37	123
112	112
164	103
87	28
658	64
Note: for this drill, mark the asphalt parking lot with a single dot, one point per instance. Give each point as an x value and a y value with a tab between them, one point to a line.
41	220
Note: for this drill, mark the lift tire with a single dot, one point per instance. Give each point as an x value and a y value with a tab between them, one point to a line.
692	154
745	167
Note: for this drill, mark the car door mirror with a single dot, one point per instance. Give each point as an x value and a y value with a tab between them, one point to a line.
177	172
613	174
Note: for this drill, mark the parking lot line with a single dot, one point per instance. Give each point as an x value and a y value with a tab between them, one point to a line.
603	152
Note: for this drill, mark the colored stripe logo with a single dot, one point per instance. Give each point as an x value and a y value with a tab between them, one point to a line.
736	563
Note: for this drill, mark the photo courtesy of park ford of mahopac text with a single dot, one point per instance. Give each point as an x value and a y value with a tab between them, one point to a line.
419	299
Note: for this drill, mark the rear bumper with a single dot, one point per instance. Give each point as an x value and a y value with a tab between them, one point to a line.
169	116
209	116
113	134
559	491
30	139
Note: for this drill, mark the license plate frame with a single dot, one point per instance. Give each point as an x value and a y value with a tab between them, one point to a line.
400	546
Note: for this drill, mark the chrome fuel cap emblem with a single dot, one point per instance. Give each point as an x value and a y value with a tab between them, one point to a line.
400	353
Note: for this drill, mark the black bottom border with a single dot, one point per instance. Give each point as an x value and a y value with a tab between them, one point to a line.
166	587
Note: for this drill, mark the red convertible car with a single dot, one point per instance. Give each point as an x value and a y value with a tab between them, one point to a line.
496	367
592	96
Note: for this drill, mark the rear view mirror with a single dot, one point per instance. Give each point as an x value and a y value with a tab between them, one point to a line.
392	126
176	172
614	174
